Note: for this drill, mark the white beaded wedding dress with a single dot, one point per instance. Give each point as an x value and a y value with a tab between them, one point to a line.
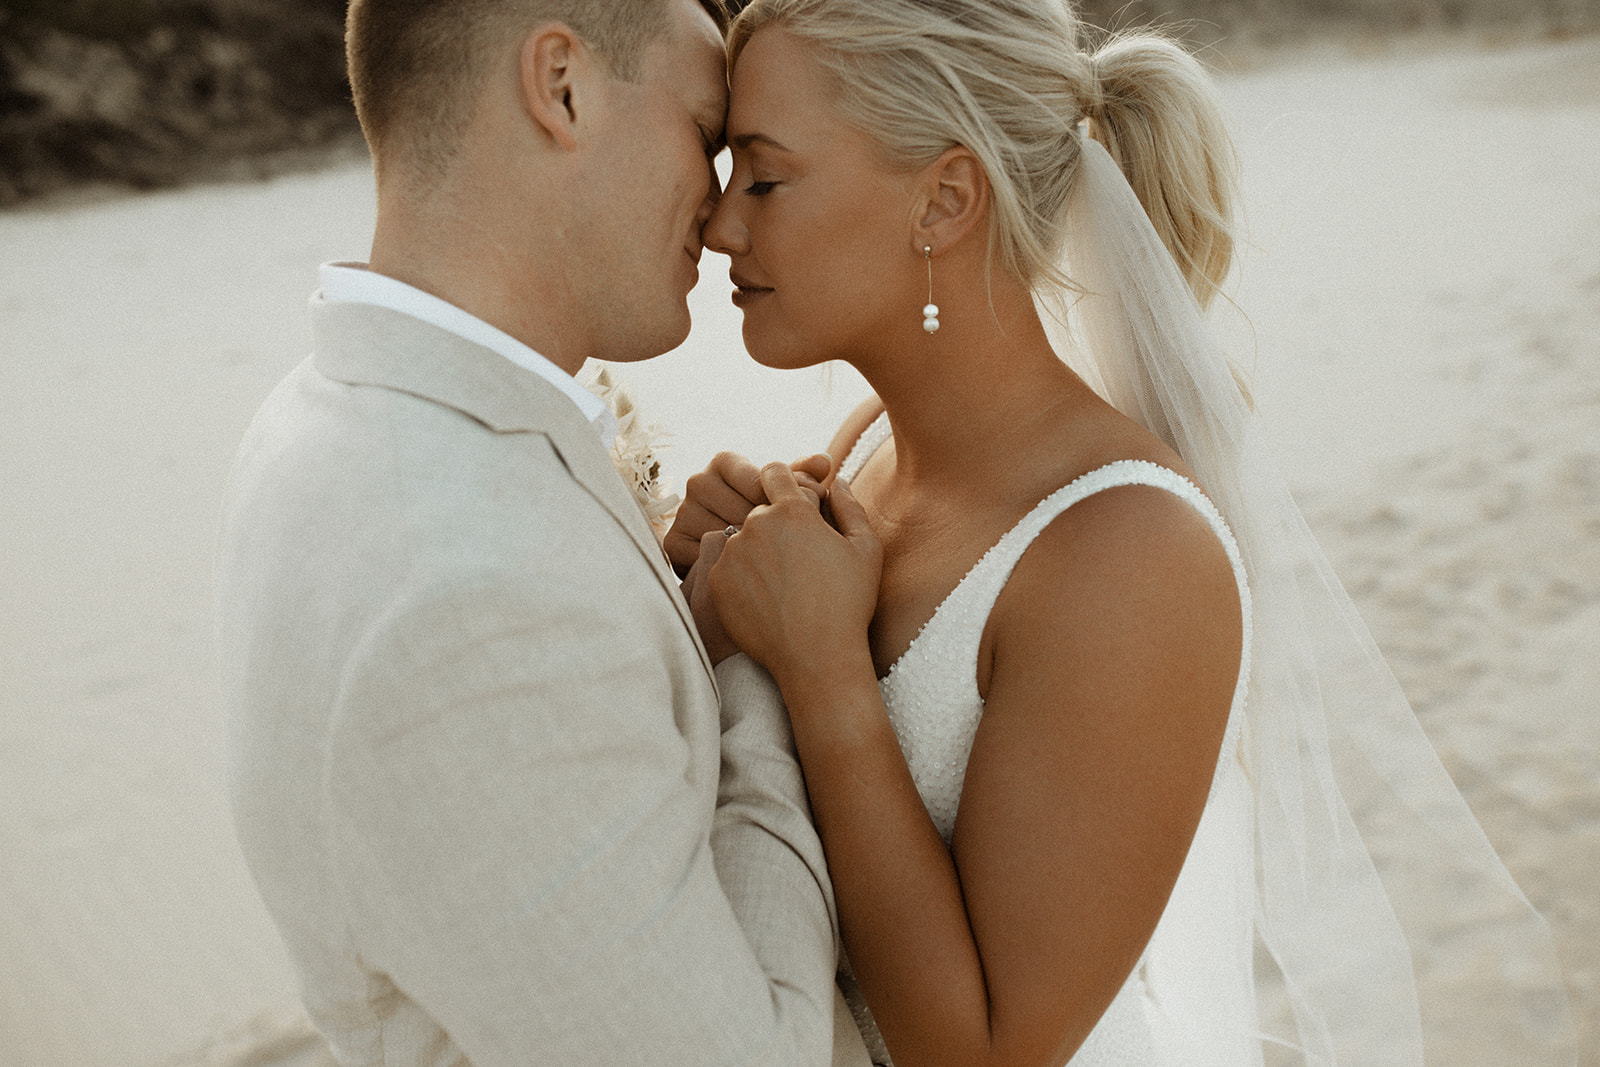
1176	1008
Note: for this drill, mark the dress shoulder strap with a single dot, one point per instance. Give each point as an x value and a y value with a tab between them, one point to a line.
1111	476
992	572
871	439
989	576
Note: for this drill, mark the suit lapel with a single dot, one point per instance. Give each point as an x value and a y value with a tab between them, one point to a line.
364	345
590	465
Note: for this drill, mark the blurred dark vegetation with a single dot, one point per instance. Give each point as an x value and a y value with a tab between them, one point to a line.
147	93
1254	23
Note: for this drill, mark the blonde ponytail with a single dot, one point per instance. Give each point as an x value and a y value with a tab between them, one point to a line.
1153	109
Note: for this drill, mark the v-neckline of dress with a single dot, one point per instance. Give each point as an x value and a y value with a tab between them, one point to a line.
877	433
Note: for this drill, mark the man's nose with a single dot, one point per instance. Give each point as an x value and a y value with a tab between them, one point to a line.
711	211
723	232
713	196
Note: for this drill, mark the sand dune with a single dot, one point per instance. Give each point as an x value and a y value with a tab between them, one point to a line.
1423	293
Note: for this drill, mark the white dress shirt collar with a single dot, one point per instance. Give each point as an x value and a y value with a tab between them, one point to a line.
353	283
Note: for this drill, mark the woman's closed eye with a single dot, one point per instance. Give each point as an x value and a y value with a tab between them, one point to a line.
759	188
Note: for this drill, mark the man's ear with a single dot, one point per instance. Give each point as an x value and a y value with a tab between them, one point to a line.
953	195
552	65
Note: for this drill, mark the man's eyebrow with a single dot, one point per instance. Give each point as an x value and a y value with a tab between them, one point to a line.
745	140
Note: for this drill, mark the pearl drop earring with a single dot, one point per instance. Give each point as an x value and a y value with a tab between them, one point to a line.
930	313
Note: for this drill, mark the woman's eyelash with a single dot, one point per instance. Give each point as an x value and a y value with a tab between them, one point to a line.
759	188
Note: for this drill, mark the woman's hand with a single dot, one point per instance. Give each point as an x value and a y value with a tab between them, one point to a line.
791	590
722	495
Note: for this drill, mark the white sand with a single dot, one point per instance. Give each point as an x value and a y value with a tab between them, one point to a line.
1424	290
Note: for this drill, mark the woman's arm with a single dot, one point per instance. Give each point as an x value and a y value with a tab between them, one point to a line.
1113	654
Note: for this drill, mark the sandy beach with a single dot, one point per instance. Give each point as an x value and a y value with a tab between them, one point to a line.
1420	297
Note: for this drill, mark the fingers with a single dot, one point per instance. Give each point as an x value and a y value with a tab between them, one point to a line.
810	473
849	517
726	491
780	484
811	488
719	496
707	551
789	584
711	546
682	544
738	474
698	591
816	468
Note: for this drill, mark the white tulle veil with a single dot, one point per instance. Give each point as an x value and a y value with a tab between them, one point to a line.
1366	855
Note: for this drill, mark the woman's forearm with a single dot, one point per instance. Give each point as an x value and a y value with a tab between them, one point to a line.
901	910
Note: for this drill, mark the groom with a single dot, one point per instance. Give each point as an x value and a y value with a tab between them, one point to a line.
477	764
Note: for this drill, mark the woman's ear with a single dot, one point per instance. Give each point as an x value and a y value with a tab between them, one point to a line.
953	198
552	66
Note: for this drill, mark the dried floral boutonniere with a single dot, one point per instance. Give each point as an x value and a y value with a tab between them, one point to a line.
633	453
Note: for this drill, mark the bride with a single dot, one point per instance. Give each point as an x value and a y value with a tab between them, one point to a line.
1105	766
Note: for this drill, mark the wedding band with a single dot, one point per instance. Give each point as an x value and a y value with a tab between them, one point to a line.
731	530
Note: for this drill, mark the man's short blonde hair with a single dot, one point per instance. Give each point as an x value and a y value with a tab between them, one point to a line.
416	65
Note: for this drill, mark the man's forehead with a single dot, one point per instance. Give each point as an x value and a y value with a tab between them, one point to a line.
697	35
706	85
693	61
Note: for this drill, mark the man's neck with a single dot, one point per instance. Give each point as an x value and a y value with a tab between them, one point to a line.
493	272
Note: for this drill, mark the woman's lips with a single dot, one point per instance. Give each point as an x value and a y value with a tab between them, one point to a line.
745	292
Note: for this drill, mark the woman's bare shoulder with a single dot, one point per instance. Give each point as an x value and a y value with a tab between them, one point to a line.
1132	577
1129	536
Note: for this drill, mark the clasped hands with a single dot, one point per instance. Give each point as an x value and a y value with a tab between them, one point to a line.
797	580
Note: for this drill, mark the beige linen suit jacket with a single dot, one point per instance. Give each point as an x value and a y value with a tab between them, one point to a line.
474	740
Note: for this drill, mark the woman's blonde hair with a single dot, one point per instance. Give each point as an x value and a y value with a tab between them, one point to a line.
1009	80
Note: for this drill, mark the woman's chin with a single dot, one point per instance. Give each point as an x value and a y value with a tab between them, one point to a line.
779	355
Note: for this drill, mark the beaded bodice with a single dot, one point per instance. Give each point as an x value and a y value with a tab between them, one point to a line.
931	695
931	691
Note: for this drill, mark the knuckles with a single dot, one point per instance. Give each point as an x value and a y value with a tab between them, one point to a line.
725	459
731	468
698	483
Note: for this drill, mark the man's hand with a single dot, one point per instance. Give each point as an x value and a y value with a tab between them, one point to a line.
722	495
697	591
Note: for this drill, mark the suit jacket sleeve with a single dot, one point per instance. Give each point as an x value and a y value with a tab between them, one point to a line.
522	854
768	854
